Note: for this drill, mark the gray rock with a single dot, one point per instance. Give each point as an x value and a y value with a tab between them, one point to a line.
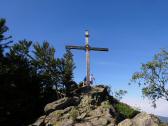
58	115
39	121
99	121
84	124
142	119
126	122
94	108
67	122
82	116
111	124
61	104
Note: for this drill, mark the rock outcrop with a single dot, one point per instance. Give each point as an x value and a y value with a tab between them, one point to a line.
90	107
142	119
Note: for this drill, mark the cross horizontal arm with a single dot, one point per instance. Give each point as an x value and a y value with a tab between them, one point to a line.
76	47
99	49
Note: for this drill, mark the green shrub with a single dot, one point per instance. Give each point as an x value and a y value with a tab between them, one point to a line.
125	110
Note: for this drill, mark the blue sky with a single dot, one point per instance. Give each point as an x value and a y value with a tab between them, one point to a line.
133	30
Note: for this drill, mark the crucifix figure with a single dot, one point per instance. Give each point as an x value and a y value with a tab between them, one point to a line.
87	48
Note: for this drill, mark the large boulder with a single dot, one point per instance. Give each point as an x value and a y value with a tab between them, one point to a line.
61	104
142	119
39	121
59	116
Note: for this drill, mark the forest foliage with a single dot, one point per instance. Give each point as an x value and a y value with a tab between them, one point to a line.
30	77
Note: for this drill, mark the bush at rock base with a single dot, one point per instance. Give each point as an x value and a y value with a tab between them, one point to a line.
125	111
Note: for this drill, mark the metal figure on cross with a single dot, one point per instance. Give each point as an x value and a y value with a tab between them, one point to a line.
87	48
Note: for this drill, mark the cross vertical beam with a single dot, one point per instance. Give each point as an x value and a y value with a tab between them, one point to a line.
87	67
87	59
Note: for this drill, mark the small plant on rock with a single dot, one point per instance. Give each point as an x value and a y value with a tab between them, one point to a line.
74	113
106	105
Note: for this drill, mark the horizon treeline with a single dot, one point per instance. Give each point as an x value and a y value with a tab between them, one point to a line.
30	77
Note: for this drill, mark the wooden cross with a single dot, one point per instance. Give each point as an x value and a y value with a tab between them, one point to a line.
87	48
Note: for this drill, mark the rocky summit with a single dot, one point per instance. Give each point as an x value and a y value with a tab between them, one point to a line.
93	106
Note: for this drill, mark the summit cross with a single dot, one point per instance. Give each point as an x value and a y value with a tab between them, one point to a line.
86	48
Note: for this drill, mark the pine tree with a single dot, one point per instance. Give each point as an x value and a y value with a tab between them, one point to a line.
69	67
20	89
46	67
3	38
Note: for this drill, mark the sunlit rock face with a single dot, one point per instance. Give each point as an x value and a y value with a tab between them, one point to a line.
90	106
142	119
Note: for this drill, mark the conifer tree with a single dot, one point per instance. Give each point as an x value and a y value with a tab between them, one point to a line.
20	89
69	67
27	80
46	67
3	37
